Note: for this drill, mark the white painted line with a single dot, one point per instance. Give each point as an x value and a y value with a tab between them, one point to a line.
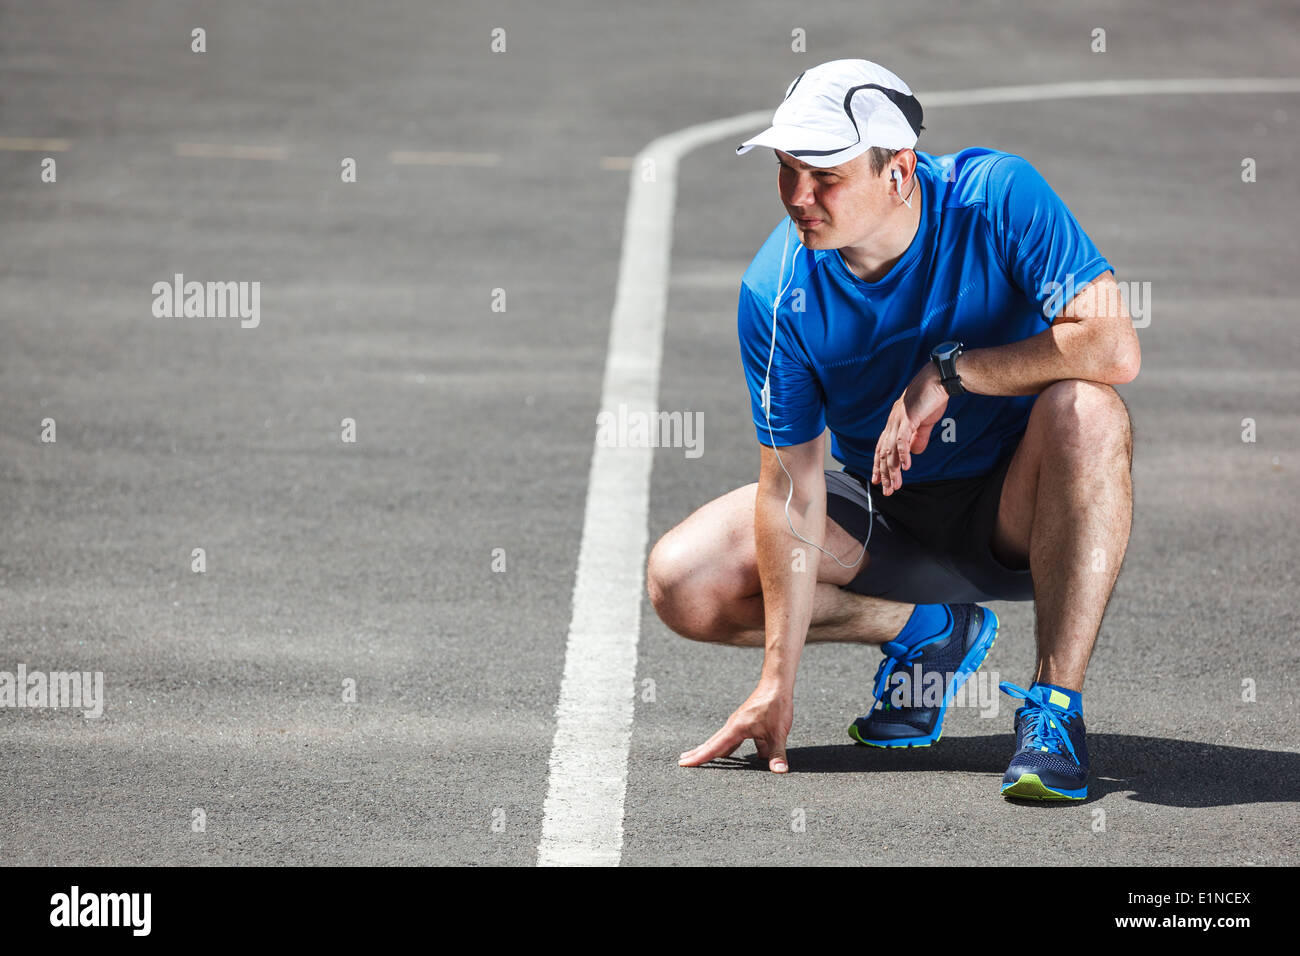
1093	88
225	151
413	158
583	815
34	144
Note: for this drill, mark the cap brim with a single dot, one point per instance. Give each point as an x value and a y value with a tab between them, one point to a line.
814	147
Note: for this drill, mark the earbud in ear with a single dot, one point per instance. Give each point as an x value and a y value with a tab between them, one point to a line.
898	184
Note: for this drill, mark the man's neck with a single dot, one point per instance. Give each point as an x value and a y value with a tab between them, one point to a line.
872	265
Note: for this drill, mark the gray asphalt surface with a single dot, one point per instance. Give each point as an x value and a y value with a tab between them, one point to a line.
372	561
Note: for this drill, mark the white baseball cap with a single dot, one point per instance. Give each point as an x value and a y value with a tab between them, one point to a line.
837	111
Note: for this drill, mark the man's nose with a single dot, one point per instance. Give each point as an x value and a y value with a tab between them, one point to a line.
802	194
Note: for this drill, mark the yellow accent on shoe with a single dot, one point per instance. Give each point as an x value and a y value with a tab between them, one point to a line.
1059	699
853	732
1030	787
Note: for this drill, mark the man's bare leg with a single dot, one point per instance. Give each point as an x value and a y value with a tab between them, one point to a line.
838	615
703	581
1067	504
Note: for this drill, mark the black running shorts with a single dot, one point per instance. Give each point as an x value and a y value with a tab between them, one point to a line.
930	541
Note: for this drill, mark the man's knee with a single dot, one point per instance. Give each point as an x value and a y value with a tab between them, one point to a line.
677	592
663	574
1088	417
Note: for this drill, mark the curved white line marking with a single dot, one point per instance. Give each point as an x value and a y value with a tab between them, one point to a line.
583	815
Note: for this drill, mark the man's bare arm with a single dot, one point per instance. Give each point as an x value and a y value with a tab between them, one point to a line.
765	717
1092	339
787	593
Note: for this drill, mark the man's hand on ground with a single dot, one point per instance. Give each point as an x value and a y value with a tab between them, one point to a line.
764	718
907	432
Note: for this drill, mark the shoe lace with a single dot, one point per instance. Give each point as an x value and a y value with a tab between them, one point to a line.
1044	724
897	655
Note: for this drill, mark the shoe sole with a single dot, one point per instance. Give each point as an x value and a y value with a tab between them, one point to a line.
972	662
1030	787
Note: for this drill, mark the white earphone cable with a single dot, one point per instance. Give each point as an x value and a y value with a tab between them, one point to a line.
765	398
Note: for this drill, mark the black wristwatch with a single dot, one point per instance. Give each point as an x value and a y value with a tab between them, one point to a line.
944	358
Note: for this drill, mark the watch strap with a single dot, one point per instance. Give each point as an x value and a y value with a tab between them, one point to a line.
947	366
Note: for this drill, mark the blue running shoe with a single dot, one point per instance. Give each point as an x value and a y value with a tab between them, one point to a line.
1051	759
912	716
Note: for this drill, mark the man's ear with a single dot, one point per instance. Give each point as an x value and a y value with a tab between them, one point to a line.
906	159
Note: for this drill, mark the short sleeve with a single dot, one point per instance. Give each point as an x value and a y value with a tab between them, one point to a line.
797	402
1041	244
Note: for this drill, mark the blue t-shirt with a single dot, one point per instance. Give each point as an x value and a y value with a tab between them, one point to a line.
995	258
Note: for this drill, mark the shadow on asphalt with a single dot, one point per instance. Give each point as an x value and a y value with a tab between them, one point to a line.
1172	773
